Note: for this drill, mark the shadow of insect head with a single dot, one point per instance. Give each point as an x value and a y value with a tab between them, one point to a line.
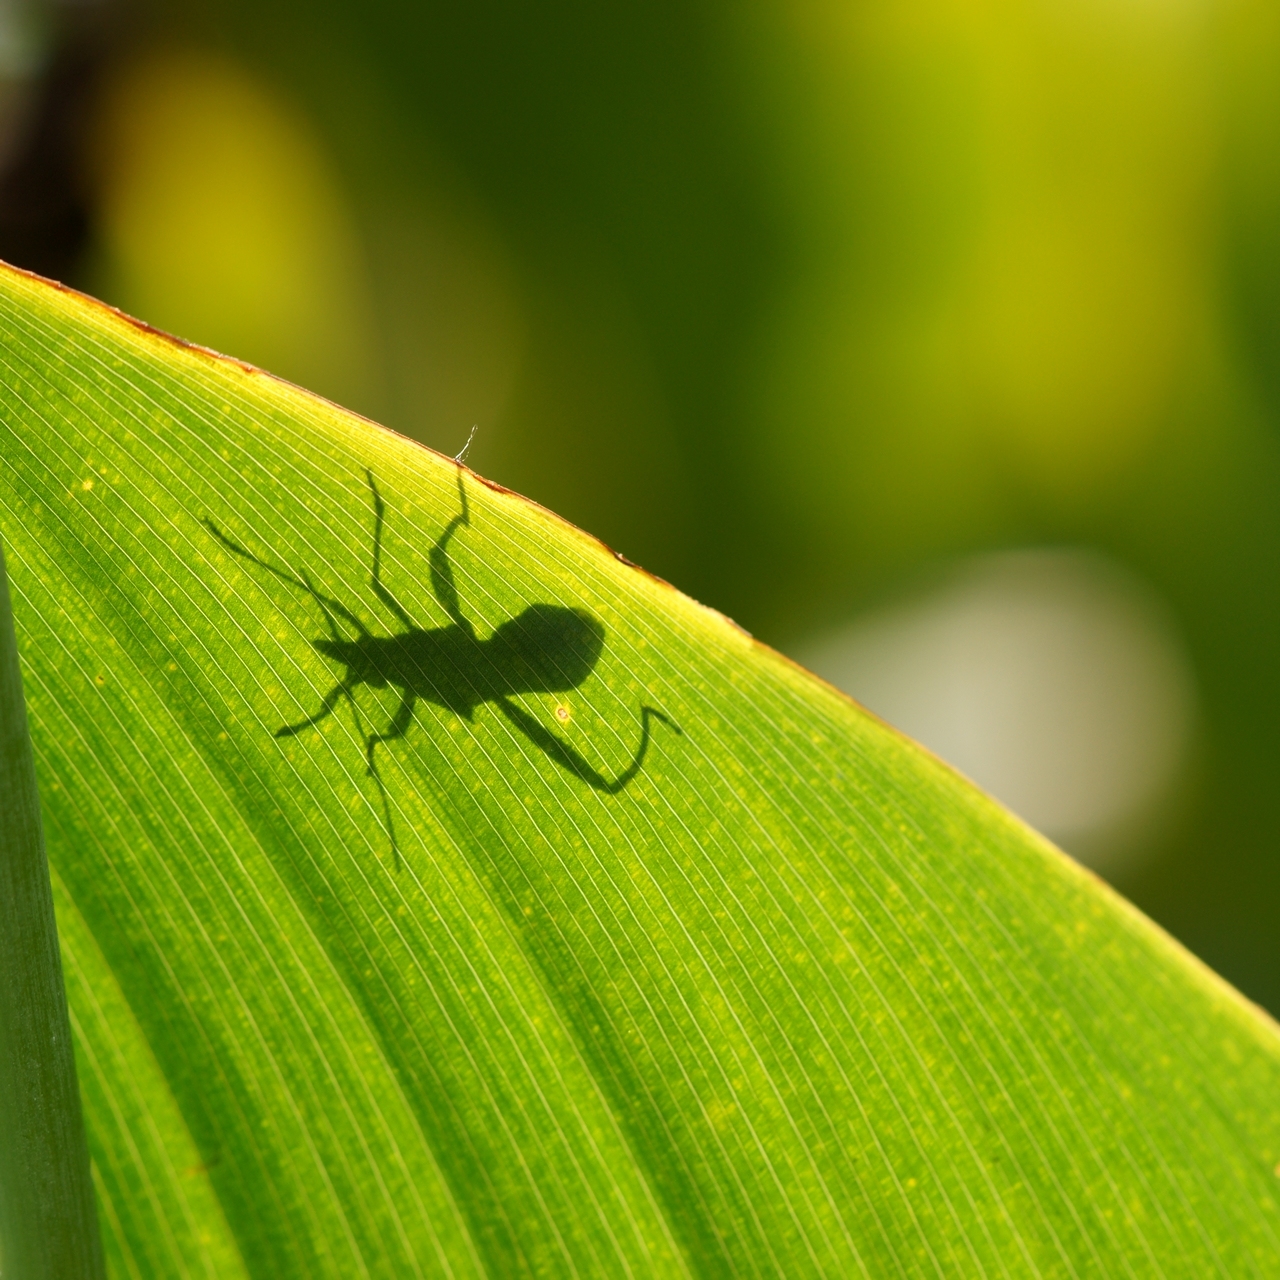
546	648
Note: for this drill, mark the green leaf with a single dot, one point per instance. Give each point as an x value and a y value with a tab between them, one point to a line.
47	1223
779	994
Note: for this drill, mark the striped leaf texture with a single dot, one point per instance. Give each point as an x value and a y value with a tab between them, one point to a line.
441	895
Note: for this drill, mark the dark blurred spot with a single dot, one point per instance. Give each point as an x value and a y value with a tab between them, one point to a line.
45	196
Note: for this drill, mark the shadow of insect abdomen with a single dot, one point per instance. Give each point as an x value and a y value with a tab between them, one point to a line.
546	648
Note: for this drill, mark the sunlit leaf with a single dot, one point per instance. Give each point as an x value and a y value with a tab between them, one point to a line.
628	948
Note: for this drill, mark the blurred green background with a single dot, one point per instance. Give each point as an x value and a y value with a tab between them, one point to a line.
936	343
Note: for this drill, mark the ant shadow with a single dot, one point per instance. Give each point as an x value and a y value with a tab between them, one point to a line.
546	648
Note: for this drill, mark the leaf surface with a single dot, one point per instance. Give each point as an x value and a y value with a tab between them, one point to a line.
638	952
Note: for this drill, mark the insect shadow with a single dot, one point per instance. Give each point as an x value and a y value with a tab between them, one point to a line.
546	648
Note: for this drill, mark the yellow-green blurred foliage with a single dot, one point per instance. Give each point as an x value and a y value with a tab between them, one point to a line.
220	216
1005	214
792	302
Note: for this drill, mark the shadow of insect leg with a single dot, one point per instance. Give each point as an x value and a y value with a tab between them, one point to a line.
398	727
326	708
442	584
565	756
379	589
